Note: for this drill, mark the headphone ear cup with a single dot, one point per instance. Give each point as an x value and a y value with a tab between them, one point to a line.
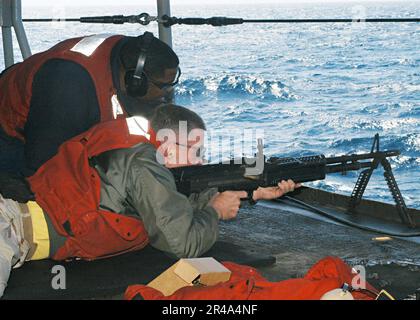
136	87
143	85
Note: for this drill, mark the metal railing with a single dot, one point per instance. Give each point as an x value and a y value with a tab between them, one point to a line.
11	17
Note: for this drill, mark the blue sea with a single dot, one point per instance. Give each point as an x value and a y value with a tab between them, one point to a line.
312	88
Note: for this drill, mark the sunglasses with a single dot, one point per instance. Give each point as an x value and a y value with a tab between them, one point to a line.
166	86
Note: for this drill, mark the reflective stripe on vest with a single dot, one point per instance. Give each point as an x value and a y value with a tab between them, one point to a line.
138	126
116	107
88	45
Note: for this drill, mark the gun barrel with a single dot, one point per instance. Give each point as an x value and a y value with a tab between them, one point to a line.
366	156
336	168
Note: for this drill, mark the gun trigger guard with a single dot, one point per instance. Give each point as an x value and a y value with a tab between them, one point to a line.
250	198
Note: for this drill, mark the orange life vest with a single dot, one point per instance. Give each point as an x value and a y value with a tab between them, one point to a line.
246	283
93	53
67	188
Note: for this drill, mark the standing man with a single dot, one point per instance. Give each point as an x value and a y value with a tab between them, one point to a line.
62	92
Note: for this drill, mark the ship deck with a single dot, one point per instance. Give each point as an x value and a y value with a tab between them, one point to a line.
281	241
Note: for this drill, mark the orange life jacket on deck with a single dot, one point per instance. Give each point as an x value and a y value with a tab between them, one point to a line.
68	189
93	53
247	284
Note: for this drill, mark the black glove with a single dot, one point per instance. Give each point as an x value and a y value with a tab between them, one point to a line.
15	187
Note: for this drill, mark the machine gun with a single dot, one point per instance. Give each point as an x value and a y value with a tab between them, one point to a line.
239	174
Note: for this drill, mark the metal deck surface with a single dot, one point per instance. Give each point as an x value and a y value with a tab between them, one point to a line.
299	238
296	238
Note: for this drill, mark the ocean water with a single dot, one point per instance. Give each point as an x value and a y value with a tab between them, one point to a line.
311	88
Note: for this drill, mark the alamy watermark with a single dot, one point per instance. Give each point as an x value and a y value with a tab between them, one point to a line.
359	280
182	147
58	281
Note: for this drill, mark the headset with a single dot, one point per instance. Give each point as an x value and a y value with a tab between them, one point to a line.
136	81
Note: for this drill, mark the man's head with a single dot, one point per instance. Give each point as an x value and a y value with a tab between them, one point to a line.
158	64
182	133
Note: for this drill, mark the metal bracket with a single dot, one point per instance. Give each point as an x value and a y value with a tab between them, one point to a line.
375	144
364	179
359	189
396	194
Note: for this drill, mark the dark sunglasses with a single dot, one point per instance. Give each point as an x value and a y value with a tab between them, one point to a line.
165	86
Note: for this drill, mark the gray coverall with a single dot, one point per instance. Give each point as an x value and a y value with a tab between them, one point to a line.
134	183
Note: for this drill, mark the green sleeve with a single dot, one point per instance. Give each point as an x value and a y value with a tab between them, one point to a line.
180	226
201	200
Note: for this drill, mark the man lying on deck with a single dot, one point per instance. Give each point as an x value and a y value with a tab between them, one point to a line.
109	191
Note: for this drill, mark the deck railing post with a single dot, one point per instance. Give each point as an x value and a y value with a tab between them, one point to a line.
19	29
165	33
11	17
6	30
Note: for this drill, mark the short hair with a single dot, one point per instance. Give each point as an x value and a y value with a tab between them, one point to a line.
168	116
159	58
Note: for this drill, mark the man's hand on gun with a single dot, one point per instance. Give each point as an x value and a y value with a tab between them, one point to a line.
275	192
227	204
